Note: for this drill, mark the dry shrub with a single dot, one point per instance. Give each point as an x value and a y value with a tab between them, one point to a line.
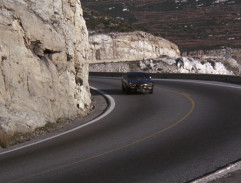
4	140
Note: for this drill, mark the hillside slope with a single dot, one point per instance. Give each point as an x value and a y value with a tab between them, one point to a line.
191	24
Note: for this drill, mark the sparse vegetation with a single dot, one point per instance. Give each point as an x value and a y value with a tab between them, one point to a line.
4	140
98	23
62	120
192	25
47	127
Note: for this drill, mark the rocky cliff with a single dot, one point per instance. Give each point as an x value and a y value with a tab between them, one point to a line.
42	75
130	46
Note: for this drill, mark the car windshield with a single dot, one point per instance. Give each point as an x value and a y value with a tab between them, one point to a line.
138	77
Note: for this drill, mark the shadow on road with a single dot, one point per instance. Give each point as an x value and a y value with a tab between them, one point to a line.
108	91
113	92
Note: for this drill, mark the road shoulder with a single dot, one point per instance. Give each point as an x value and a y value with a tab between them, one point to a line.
99	106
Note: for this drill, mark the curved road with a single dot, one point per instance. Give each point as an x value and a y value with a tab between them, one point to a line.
181	132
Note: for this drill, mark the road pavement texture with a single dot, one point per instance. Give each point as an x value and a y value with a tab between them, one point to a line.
179	133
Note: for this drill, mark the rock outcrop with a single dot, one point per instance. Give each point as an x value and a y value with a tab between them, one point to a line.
140	51
130	46
42	74
169	65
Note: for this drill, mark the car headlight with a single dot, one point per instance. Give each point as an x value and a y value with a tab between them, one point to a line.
149	84
132	84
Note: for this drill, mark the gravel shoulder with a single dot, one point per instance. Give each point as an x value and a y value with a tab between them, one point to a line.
230	173
234	177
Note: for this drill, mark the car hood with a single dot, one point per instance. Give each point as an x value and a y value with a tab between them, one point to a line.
140	81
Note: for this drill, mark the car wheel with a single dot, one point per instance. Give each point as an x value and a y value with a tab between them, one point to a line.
127	91
151	91
123	89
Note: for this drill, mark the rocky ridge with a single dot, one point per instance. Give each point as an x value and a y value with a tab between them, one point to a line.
130	46
42	74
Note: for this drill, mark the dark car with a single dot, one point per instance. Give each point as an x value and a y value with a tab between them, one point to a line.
137	82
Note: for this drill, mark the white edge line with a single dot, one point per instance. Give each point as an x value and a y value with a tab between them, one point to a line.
109	110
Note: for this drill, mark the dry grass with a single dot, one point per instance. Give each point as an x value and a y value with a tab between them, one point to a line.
4	140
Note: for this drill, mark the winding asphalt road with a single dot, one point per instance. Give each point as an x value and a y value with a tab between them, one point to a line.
181	132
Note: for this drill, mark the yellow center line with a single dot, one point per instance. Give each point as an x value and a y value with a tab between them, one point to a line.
121	147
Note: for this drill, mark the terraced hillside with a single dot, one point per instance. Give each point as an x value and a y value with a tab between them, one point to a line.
191	24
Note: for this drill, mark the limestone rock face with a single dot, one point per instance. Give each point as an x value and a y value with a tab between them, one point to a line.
42	74
130	46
